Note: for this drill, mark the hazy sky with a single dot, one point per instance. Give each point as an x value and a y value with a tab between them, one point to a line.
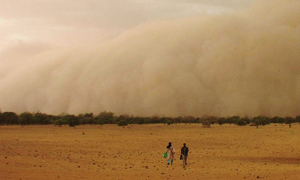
173	58
69	22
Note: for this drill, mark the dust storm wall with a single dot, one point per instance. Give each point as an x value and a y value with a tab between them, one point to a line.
241	63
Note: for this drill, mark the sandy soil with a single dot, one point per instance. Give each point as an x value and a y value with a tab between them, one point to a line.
135	152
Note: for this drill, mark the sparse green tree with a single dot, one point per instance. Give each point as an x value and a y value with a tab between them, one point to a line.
146	121
123	123
242	121
297	119
105	118
261	120
72	120
280	120
289	121
221	121
86	118
169	121
25	118
1	118
10	118
40	118
59	122
154	120
274	119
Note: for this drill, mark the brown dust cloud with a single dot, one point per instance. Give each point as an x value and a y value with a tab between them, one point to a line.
244	63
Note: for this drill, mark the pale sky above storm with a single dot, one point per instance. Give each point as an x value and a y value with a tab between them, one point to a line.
172	58
66	22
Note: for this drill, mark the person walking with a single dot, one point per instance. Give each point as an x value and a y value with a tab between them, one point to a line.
171	153
184	154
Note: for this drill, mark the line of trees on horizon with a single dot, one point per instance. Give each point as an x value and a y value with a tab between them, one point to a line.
27	118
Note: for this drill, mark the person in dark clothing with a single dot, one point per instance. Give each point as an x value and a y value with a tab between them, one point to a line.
184	154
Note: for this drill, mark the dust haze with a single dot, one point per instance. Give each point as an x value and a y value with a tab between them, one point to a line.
238	63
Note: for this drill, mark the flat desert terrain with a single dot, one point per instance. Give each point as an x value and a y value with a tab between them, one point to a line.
136	152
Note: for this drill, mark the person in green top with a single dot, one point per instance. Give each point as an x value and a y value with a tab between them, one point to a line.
171	153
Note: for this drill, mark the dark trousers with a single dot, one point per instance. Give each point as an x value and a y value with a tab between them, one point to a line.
184	159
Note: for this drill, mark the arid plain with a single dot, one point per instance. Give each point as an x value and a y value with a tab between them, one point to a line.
135	152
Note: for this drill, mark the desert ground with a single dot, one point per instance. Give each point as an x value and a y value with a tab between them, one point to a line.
136	152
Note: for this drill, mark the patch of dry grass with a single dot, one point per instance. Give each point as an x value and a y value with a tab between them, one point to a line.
135	152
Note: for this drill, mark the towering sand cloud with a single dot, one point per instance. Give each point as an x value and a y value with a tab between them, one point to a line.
242	63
